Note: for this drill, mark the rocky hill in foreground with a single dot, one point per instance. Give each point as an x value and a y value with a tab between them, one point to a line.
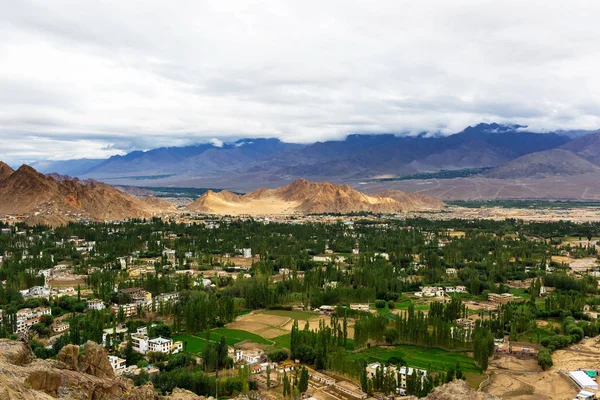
70	376
57	199
302	196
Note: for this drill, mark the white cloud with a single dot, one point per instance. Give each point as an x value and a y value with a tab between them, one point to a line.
105	77
216	142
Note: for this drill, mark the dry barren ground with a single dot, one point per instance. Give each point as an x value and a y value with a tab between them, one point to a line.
271	326
513	378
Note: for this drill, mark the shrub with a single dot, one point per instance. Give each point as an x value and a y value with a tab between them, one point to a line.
545	359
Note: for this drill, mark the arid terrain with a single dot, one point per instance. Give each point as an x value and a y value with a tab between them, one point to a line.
518	379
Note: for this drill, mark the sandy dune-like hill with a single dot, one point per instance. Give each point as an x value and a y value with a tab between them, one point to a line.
413	201
28	192
159	204
302	196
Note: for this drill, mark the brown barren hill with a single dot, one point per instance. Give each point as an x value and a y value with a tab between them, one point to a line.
5	171
29	192
302	196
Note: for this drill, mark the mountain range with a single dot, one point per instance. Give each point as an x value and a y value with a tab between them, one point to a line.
491	151
57	199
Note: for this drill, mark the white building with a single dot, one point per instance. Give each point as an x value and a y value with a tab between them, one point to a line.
36	291
113	332
251	357
167	297
59	327
118	364
360	307
95	304
27	317
582	380
247	253
160	345
400	375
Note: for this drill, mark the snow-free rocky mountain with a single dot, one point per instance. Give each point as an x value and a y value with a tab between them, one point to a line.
356	157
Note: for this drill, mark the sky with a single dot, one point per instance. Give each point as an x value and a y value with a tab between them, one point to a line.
83	79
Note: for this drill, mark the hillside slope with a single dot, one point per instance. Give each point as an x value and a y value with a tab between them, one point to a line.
545	163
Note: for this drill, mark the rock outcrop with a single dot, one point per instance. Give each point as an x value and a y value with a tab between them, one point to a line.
69	355
95	362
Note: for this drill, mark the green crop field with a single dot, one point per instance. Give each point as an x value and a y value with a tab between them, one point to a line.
420	357
234	336
194	343
299	315
283	341
403	305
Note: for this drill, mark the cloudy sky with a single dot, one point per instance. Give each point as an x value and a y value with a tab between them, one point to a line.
92	79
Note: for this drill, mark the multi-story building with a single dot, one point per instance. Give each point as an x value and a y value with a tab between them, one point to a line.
160	345
27	317
128	309
138	295
501	298
166	297
59	327
254	356
400	375
118	364
95	304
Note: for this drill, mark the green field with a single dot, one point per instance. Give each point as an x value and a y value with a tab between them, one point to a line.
194	343
234	336
403	305
299	315
420	357
283	341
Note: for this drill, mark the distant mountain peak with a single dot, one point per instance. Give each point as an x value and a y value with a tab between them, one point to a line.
494	127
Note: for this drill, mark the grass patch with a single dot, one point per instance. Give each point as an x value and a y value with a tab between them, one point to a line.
420	357
234	336
283	341
195	344
404	304
299	315
474	380
520	293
